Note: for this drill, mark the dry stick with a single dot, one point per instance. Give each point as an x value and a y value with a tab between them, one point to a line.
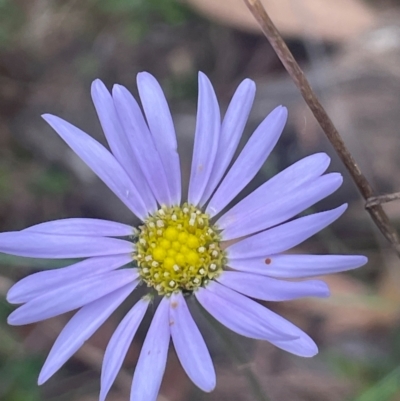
379	200
278	44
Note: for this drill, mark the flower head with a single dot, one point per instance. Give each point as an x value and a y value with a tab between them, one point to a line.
180	249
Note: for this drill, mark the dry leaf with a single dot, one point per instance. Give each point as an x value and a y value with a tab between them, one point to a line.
331	20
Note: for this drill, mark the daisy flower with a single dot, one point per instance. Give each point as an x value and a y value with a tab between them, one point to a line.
181	248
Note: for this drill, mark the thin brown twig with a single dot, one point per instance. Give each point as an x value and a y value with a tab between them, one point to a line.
379	200
278	44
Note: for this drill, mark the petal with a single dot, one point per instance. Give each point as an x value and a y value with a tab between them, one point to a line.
250	319
85	227
231	131
276	210
101	161
38	284
250	160
153	357
162	129
142	144
302	172
190	346
80	328
270	289
36	245
71	296
239	313
302	345
119	143
119	345
298	266
205	140
283	237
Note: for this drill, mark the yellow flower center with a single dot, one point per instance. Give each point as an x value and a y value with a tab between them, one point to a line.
178	249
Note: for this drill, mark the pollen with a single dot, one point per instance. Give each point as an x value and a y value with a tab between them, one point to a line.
178	249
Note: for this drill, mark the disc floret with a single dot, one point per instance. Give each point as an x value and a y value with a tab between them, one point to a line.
178	249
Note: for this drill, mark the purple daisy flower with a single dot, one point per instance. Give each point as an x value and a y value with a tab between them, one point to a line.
180	249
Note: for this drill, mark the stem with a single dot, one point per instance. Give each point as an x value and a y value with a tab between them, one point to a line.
278	44
378	200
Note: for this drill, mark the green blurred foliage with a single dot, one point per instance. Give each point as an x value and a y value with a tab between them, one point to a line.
183	88
137	17
50	182
5	183
18	371
18	381
11	19
376	374
168	11
386	389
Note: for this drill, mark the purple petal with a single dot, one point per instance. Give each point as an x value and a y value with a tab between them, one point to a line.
119	143
283	237
302	172
71	296
119	345
270	289
162	129
273	211
298	266
250	160
85	227
35	245
142	143
205	140
38	284
239	313
153	357
190	346
250	319
231	131
101	161
302	345
81	327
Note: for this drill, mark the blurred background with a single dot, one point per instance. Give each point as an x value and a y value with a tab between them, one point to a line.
51	51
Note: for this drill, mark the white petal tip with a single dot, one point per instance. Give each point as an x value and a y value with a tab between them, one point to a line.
325	291
337	212
144	75
249	81
284	111
12	321
312	352
208	387
14	298
278	113
249	84
43	378
308	350
323	156
98	87
362	260
322	159
47	116
117	89
203	78
97	81
310	355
